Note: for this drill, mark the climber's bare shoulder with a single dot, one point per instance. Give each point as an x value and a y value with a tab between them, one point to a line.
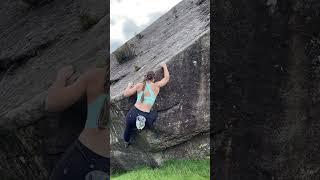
155	88
138	86
162	82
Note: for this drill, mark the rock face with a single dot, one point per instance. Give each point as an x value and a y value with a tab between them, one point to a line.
266	123
181	39
37	38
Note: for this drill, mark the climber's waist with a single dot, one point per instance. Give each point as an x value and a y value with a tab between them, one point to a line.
134	112
141	111
142	108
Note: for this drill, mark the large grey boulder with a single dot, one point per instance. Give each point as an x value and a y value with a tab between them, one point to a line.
35	41
266	123
181	39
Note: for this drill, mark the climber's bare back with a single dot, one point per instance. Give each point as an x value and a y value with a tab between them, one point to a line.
142	106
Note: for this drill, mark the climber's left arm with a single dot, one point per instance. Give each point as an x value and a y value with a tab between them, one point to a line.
131	90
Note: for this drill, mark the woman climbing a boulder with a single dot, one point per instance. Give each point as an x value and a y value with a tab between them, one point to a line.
140	115
88	156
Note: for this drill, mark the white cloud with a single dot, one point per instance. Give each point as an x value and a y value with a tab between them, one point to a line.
132	16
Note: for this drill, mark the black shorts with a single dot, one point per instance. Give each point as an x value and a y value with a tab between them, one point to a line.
80	163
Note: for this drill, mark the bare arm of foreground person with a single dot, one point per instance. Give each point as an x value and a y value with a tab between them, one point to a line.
60	96
166	77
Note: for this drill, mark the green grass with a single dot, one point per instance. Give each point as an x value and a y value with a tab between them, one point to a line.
171	170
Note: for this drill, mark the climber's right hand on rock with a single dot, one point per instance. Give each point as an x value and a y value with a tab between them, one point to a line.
65	73
163	64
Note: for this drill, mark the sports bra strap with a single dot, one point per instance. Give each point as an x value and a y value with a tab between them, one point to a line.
150	90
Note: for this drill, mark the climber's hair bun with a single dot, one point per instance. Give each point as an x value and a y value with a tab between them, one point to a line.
150	75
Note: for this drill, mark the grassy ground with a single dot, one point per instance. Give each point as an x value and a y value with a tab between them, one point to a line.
171	170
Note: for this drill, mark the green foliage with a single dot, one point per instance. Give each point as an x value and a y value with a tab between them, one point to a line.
87	21
175	12
136	68
171	170
139	36
125	53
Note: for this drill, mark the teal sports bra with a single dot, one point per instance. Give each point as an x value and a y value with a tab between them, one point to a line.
94	109
147	99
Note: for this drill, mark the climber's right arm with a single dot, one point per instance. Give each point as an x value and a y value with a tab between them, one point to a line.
166	77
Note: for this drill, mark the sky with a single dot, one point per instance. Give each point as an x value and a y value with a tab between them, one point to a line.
129	17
